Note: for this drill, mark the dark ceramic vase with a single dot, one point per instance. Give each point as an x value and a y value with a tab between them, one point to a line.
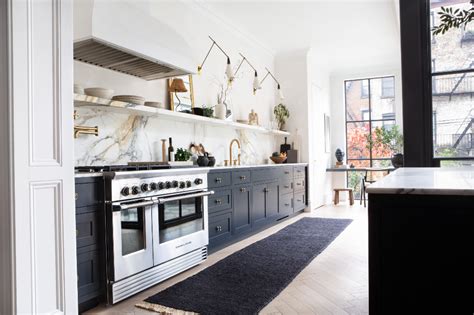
212	161
397	160
203	160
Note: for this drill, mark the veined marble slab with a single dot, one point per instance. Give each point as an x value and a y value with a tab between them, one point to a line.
427	181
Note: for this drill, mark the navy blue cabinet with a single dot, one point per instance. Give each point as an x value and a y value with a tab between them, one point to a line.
247	200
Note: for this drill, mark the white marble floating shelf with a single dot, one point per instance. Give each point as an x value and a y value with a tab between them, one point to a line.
81	100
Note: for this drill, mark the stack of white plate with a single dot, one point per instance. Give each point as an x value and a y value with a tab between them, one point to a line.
134	99
154	104
99	92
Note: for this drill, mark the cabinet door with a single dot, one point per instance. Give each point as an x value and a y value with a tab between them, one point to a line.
242	206
258	203
219	228
271	200
88	275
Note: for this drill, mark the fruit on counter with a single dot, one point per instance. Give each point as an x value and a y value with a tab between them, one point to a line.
281	154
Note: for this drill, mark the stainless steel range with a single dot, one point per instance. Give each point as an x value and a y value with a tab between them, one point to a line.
156	227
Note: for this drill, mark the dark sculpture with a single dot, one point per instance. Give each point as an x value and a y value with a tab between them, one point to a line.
339	155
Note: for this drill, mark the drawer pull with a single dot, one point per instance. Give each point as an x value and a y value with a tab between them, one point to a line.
299	184
287	172
219	228
299	200
218	180
218	201
267	190
243	177
287	204
76	196
243	189
287	186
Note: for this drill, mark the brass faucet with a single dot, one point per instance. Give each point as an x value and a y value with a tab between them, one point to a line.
231	158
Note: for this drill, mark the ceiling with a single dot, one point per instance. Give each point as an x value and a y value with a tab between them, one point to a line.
346	32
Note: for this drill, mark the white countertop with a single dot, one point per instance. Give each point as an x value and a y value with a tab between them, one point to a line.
79	175
426	181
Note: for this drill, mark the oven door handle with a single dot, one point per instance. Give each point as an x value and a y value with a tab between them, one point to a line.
120	207
201	194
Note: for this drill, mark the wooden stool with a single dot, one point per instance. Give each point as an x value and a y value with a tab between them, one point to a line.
336	195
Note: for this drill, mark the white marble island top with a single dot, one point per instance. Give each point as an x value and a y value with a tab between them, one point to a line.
426	181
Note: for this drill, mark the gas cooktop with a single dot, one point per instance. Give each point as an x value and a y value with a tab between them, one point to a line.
120	168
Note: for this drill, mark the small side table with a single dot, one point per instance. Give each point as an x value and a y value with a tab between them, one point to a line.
336	195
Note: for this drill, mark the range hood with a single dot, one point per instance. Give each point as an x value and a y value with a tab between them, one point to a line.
117	35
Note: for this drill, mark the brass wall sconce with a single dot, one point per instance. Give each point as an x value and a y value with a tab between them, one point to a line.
228	70
280	93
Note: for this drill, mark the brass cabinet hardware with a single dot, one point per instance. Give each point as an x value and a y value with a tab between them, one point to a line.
243	189
85	131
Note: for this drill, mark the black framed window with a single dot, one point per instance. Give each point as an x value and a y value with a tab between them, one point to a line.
452	85
368	106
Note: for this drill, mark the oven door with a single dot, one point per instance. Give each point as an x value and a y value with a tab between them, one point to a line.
132	237
180	225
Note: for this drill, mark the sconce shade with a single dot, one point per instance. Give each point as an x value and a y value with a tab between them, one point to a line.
177	86
256	82
228	71
280	93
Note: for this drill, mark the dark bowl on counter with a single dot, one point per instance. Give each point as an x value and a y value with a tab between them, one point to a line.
198	111
212	161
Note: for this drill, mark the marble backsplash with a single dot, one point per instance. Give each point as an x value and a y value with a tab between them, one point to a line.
124	138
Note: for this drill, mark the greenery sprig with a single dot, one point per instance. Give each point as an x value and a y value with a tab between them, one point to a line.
453	19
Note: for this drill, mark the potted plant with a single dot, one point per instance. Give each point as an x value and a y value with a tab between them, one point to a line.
383	139
281	114
207	111
182	155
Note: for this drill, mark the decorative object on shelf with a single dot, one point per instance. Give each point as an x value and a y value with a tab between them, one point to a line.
212	161
280	93
170	151
203	160
183	85
327	133
220	108
198	111
134	99
339	157
285	147
278	158
207	111
226	162
99	92
194	152
154	104
387	141
253	118
182	155
163	150
281	114
78	89
292	156
453	19
228	69
256	82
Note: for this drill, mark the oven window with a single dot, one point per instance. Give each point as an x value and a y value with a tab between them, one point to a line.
133	237
189	219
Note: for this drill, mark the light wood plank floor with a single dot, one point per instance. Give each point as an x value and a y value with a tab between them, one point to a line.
335	282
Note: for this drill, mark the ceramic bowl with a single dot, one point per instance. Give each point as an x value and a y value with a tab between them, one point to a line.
278	159
154	104
99	92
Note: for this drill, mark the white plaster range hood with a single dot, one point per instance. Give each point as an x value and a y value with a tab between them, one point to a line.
119	36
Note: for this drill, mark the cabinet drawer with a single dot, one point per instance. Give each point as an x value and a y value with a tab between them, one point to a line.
300	201
267	174
286	204
219	226
241	177
88	193
300	183
286	173
221	200
88	227
89	275
299	171
219	179
286	187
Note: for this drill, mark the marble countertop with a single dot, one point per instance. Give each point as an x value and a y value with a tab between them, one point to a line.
79	175
426	181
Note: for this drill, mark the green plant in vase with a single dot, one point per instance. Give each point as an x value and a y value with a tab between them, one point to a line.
182	155
281	114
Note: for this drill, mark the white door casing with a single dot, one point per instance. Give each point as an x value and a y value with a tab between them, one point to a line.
41	103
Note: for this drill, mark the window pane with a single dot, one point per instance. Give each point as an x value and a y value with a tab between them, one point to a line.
452	50
457	163
357	101
382	97
357	140
453	115
382	130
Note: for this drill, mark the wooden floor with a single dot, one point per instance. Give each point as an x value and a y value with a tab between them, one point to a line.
335	282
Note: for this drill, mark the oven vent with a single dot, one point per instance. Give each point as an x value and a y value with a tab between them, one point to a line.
107	56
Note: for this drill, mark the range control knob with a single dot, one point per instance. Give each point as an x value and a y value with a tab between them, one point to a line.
168	185
135	190
198	181
175	184
153	186
125	191
182	185
188	183
161	185
145	187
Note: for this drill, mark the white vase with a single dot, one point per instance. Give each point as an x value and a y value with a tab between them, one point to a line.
220	111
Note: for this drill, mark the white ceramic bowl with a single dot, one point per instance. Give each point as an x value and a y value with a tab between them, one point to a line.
99	92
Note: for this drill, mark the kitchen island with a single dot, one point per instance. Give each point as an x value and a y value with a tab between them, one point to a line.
421	242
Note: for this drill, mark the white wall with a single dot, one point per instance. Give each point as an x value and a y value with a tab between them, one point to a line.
194	24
